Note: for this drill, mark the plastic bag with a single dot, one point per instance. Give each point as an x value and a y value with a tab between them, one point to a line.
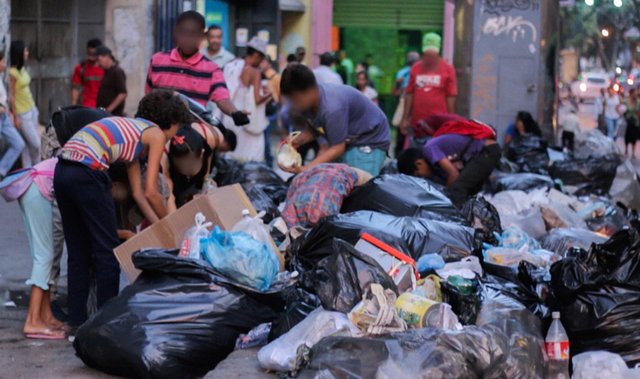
482	216
376	313
505	256
287	155
599	364
588	176
530	221
177	320
256	337
342	278
298	305
402	195
412	236
190	247
516	238
465	302
390	167
508	345
558	215
250	175
519	182
562	239
599	296
529	153
254	227
593	144
625	187
262	203
281	354
238	256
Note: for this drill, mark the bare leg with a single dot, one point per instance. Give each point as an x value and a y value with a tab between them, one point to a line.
34	323
47	316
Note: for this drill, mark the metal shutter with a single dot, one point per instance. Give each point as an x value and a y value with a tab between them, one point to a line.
392	14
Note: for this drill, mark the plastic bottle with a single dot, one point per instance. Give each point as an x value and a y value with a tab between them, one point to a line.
557	347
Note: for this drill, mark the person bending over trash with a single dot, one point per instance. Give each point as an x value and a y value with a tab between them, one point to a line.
349	127
462	154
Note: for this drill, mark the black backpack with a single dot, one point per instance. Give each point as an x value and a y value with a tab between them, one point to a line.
66	121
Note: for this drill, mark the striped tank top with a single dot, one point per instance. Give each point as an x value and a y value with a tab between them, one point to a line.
106	141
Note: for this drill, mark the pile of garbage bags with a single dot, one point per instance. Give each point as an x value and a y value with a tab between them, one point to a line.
400	282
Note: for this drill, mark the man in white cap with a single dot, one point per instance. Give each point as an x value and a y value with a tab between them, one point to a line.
432	88
243	78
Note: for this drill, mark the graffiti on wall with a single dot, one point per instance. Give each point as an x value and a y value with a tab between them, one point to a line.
517	28
498	7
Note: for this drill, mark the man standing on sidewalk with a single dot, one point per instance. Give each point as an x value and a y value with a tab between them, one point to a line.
214	51
432	88
185	70
87	76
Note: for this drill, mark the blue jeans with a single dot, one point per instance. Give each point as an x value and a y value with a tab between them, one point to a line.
12	140
370	161
612	127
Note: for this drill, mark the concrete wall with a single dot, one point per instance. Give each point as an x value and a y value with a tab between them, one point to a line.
296	31
5	31
129	32
321	23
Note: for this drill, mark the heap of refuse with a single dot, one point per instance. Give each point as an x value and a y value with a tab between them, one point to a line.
397	283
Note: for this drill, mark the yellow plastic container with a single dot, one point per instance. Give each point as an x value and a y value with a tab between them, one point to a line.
414	309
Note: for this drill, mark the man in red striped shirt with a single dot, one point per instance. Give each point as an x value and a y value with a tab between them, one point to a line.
185	70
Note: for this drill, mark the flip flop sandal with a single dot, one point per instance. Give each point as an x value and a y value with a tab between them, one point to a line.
48	334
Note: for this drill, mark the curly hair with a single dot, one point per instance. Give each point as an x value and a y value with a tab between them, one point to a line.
164	109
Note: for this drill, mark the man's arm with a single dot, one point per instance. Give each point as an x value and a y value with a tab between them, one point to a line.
116	102
449	169
330	154
226	106
76	85
451	104
75	95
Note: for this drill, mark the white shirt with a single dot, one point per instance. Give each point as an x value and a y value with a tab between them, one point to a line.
325	75
611	106
370	93
222	58
571	123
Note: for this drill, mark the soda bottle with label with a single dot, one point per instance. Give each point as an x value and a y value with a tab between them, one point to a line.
557	347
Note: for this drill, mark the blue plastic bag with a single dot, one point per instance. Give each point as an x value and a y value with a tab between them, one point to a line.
238	256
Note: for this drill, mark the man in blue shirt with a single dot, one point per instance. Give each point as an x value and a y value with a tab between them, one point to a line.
348	126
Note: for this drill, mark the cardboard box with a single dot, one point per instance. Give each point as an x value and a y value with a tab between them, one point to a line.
222	207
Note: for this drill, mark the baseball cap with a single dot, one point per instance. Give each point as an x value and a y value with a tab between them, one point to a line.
431	42
258	44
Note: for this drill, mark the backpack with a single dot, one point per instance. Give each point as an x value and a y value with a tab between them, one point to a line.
66	121
474	129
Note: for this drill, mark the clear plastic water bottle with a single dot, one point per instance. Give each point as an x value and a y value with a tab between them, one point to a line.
557	347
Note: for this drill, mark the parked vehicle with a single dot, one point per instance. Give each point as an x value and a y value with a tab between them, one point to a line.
588	86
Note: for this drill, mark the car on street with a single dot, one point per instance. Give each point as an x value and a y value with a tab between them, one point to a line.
589	84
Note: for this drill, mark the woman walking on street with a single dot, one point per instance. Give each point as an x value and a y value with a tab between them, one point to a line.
8	132
632	134
611	112
23	108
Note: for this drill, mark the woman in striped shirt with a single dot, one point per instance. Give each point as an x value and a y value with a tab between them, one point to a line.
83	190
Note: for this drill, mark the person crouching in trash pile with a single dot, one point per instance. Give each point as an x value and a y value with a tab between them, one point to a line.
349	127
189	162
83	190
462	154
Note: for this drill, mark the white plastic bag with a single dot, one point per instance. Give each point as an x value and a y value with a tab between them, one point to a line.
280	354
287	155
599	364
255	227
190	246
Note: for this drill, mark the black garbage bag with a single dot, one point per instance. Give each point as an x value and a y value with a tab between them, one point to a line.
506	166
612	220
560	240
484	217
262	202
599	294
507	345
298	304
523	181
465	306
251	174
177	320
590	176
529	153
343	277
413	236
528	284
402	195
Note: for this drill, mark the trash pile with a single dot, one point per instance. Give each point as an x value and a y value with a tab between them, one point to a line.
388	278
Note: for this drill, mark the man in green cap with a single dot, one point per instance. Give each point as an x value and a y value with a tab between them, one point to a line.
432	88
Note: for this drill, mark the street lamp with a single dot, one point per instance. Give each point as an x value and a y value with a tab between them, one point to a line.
617	3
588	3
605	33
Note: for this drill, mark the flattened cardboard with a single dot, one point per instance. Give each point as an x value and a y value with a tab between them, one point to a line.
223	207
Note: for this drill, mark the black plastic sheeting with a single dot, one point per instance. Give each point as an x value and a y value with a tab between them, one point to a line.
299	303
402	195
412	236
508	344
591	176
599	293
529	153
250	175
560	240
483	217
343	277
262	202
523	181
175	321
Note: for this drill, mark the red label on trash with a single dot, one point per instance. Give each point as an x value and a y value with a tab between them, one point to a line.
185	248
557	350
